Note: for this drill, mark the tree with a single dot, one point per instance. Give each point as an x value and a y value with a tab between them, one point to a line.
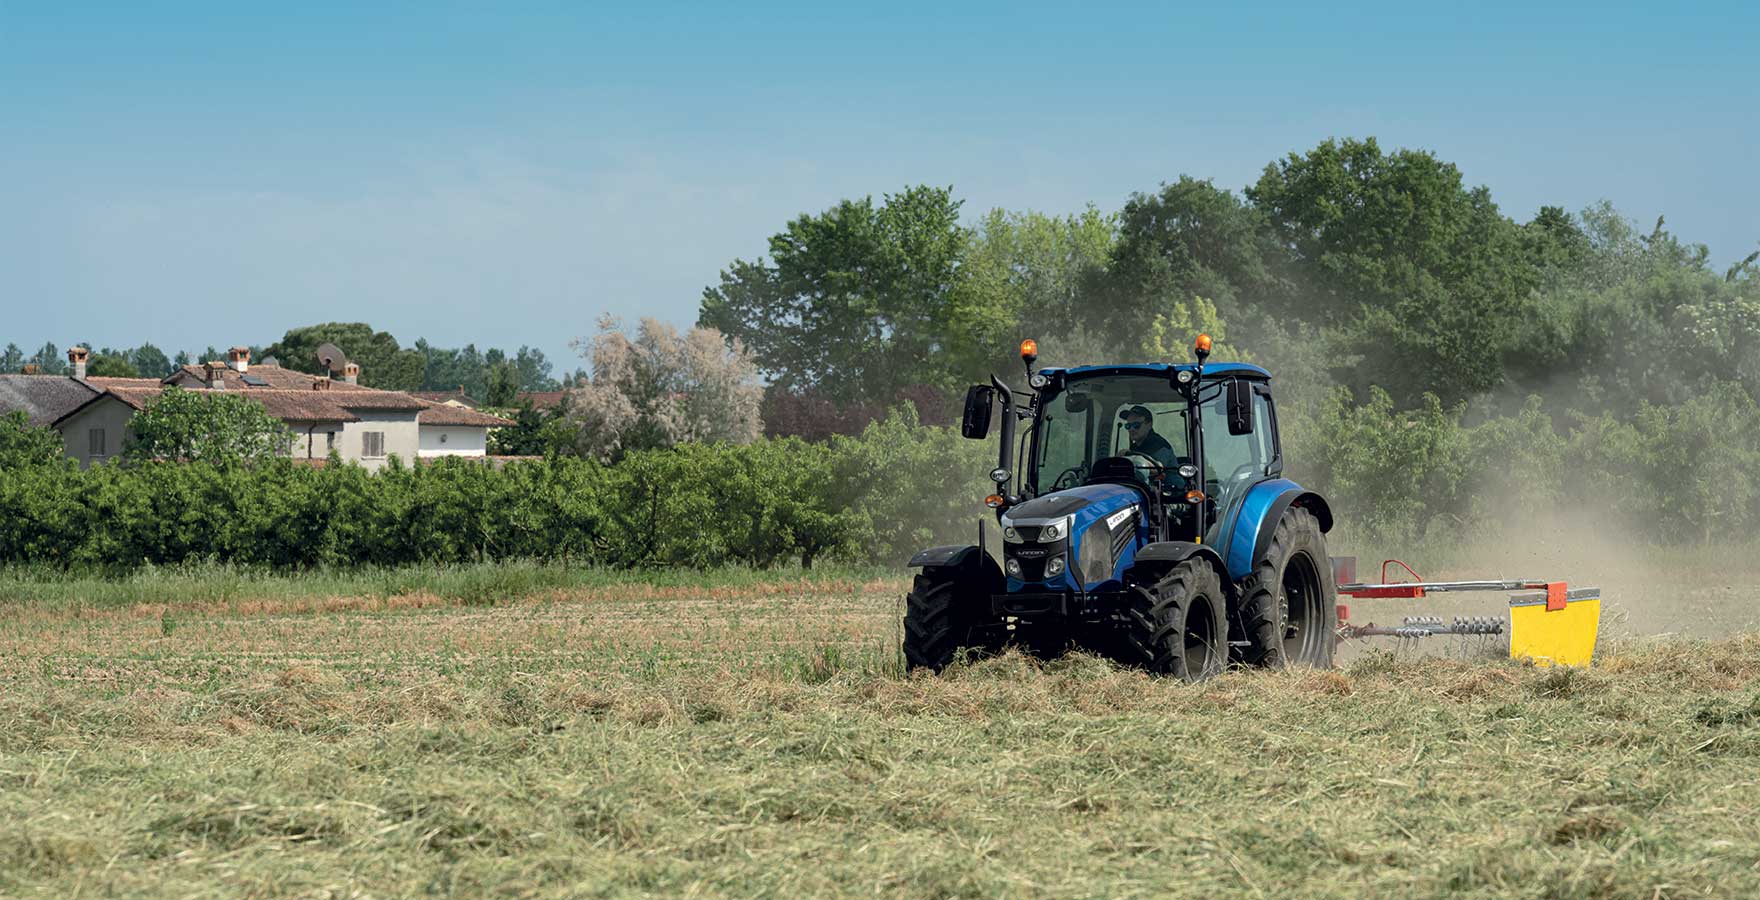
1024	274
534	370
1397	252
1190	239
855	301
662	389
150	361
210	426
11	359
383	363
23	444
49	360
503	384
111	365
534	433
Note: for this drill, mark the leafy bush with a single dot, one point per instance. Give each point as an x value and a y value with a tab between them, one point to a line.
874	498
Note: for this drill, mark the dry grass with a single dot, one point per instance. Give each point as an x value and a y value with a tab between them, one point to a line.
762	742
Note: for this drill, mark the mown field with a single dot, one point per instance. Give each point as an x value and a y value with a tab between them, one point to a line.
519	732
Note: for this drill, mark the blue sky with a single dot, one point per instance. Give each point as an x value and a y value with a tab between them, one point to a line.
196	174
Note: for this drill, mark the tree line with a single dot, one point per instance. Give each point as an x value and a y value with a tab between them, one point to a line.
1347	265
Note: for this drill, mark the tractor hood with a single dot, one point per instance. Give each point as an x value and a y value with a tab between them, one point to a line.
1090	500
1101	524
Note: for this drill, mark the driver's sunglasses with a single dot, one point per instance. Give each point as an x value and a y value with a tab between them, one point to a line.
1136	426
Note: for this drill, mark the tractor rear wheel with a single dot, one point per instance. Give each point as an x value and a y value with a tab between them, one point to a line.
945	611
1290	612
1177	626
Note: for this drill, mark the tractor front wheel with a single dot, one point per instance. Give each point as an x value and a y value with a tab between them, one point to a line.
1290	611
945	611
1176	626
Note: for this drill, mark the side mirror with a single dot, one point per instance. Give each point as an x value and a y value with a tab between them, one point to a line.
975	423
1240	407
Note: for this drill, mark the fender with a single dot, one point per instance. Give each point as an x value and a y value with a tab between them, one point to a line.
1250	539
952	556
1172	553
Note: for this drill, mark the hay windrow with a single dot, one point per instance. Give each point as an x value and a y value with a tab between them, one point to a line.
766	742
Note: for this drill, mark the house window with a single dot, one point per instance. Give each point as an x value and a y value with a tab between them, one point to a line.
329	440
372	444
95	443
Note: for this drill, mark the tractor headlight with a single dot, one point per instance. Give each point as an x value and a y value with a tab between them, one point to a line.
1183	376
999	475
1053	532
1039	380
1188	471
1010	535
1054	567
1012	567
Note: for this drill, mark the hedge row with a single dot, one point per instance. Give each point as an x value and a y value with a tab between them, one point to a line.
874	497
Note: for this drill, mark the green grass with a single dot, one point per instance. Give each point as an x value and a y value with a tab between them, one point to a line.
485	583
735	736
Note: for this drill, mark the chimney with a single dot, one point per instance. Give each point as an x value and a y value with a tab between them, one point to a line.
76	357
351	373
320	383
239	358
211	372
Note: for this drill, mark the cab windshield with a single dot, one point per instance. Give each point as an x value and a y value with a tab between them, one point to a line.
1091	420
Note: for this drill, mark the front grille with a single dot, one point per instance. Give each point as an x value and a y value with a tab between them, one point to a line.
1029	533
1033	566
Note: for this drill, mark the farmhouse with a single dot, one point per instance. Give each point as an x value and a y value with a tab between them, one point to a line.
360	424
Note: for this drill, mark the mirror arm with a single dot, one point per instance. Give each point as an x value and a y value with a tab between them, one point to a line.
1004	456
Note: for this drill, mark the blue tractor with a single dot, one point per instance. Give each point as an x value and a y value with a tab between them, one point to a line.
1147	519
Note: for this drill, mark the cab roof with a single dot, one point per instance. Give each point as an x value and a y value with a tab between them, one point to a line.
1213	370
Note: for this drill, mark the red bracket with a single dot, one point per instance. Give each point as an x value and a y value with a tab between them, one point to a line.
1392	591
1556	595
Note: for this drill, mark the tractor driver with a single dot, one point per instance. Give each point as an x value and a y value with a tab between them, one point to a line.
1139	422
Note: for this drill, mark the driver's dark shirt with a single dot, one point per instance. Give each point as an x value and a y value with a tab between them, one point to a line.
1157	448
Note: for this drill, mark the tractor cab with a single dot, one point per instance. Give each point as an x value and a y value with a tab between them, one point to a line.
1135	505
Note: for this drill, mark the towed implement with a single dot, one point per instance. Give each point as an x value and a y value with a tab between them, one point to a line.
1142	513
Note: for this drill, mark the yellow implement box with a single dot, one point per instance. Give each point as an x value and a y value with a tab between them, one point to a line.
1556	628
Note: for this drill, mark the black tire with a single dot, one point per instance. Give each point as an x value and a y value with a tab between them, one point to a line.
945	611
1177	625
1290	612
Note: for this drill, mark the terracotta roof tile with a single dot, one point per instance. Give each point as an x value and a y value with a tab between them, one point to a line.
105	382
441	414
458	396
541	399
274	378
288	406
369	399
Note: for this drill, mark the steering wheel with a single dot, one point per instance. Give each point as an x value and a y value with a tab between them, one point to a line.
1141	461
1075	474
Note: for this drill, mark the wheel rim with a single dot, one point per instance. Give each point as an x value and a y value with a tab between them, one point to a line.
1302	599
1200	638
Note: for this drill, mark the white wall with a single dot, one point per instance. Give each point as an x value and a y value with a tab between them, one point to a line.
402	437
453	440
110	414
319	439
